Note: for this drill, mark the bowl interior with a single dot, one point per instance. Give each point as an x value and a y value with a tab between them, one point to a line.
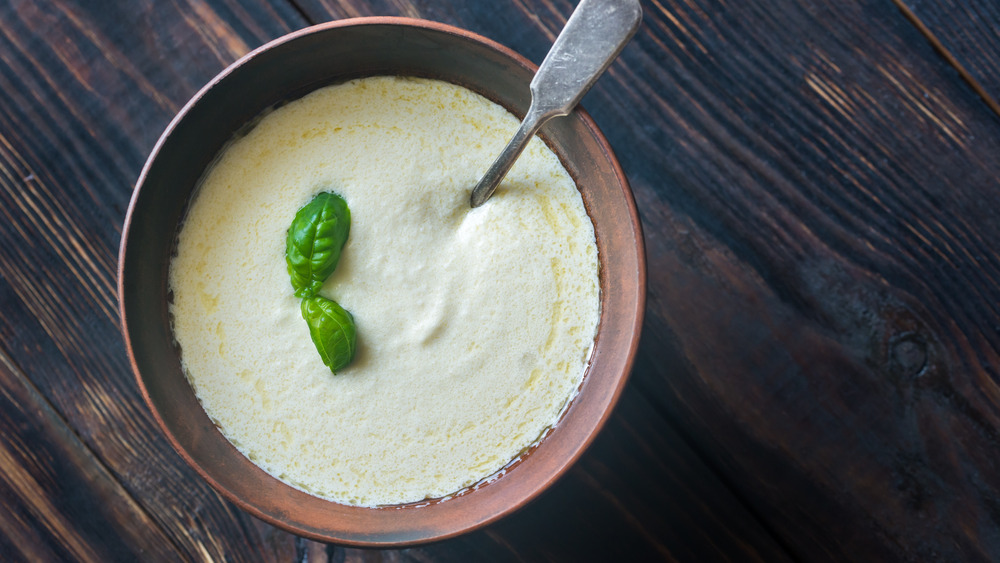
287	69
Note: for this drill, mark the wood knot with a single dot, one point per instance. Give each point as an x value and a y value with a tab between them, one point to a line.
908	355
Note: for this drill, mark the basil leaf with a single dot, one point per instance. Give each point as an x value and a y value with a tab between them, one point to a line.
332	330
315	239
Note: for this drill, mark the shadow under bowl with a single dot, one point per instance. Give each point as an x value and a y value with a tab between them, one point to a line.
286	69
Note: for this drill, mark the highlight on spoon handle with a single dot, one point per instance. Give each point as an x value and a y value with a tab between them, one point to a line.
595	34
489	182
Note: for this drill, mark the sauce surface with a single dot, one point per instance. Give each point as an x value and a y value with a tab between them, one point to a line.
474	326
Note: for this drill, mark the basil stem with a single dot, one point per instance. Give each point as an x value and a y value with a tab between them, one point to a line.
332	330
315	240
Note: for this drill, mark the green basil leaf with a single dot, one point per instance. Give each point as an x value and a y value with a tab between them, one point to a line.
315	239
332	330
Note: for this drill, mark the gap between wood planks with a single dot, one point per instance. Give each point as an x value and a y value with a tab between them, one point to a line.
304	14
939	47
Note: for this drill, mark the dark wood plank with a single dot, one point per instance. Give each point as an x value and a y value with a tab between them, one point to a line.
529	28
85	90
818	191
967	34
59	502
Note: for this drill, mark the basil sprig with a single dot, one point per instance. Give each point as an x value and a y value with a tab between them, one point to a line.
312	252
315	240
332	330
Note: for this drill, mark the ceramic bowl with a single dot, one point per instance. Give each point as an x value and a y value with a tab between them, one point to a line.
286	69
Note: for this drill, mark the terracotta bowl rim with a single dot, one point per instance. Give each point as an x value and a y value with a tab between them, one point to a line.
637	315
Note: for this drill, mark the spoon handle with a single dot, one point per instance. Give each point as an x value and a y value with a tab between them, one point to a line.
594	35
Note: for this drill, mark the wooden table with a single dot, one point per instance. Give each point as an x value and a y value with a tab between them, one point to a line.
819	184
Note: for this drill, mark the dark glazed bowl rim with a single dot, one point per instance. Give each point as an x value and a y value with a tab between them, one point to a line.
621	322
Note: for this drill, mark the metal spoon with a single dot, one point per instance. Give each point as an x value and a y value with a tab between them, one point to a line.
594	35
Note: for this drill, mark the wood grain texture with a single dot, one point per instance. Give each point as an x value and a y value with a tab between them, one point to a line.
815	186
61	503
967	32
85	90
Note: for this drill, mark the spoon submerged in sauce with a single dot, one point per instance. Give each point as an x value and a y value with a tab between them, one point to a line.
594	35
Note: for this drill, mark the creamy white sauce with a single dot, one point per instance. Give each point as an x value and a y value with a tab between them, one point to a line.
474	326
